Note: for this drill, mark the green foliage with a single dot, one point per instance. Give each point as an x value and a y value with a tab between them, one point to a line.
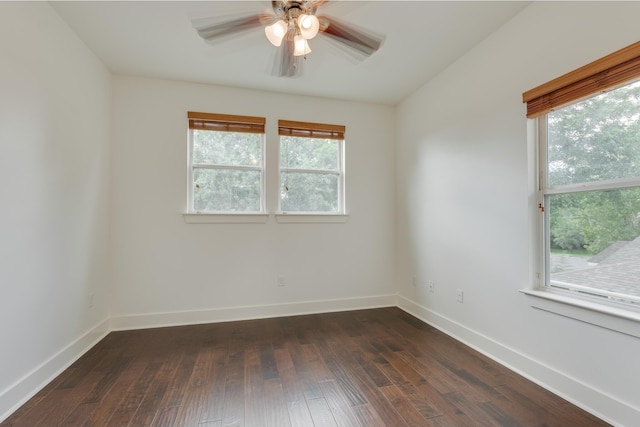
594	220
309	153
226	189
227	178
567	232
304	191
309	192
227	148
594	140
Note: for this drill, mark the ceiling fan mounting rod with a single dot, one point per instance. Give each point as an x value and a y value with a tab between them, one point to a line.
291	9
293	5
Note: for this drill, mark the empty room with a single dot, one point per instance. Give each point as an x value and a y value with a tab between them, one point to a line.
319	213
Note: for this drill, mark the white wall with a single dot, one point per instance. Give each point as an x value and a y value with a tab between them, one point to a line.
54	188
465	205
163	265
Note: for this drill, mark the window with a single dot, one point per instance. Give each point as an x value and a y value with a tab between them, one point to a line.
311	167
226	163
590	190
589	179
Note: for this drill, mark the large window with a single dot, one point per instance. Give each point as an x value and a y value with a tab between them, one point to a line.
311	167
590	190
589	179
226	163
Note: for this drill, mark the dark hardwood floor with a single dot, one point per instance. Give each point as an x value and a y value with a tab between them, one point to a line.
366	368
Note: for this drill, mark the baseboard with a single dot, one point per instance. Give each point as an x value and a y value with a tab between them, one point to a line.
25	388
591	400
156	320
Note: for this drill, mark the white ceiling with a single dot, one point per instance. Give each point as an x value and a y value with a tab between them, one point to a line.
157	39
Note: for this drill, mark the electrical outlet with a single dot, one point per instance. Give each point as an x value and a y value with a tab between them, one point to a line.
432	286
460	295
90	300
281	281
414	280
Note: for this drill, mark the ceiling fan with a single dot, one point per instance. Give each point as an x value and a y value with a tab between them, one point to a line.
290	27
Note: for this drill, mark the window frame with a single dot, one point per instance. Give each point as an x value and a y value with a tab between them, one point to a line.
319	131
223	123
614	70
545	190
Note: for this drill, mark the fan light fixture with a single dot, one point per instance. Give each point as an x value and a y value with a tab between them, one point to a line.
276	32
299	22
309	26
300	46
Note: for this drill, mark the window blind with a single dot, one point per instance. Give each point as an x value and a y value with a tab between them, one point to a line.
310	130
599	76
226	122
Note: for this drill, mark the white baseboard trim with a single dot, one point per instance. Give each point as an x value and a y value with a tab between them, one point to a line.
157	320
25	388
591	400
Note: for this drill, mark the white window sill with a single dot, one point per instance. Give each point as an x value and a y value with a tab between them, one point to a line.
298	218
225	218
605	316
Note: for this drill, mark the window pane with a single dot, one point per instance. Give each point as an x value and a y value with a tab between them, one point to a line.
226	190
227	148
309	153
309	192
594	240
596	139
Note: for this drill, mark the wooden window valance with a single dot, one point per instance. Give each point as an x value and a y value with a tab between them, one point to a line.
310	130
226	122
599	76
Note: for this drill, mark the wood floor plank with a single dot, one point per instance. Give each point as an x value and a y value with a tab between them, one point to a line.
214	387
234	402
268	362
340	404
321	413
421	401
64	400
191	406
123	379
430	368
309	370
276	410
367	416
176	392
499	415
255	411
418	400
134	396
165	417
150	404
400	402
293	392
471	409
339	364
374	368
385	410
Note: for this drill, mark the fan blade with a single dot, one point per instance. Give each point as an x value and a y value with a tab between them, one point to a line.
319	3
222	28
363	42
285	64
